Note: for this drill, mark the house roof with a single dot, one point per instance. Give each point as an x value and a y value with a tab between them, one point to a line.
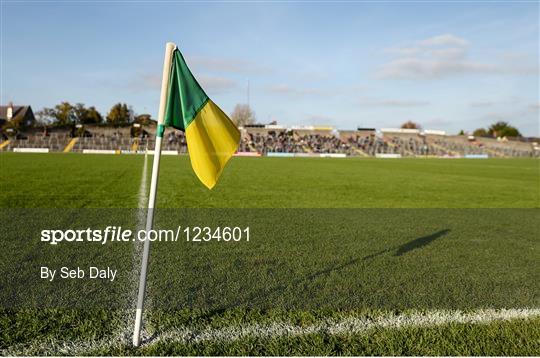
18	111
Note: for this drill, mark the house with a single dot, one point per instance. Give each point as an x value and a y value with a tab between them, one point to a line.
19	116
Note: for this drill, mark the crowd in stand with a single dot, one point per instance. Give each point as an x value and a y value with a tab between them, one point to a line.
371	145
291	142
282	141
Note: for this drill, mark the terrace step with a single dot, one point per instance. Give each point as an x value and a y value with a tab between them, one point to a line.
4	144
70	145
361	152
135	145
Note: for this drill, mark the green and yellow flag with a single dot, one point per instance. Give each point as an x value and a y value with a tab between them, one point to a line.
211	136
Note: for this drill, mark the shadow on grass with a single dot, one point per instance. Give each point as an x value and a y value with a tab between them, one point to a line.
420	242
409	246
263	295
400	250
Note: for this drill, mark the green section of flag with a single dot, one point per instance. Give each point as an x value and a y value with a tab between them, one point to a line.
185	98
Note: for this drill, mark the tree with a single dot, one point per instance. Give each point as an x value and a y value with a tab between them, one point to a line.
144	119
45	117
503	129
410	125
242	115
40	121
65	114
85	115
61	115
93	116
480	132
119	115
461	132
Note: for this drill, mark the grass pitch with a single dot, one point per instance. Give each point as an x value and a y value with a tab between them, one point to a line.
104	181
473	246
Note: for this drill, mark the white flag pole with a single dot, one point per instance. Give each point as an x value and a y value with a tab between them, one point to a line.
153	189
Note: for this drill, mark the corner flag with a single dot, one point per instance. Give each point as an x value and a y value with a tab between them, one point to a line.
211	136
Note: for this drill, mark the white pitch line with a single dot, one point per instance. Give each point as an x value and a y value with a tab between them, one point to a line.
141	225
139	245
126	329
334	326
347	325
143	191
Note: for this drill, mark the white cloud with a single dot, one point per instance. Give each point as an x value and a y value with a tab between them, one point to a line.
140	82
534	106
211	84
152	80
453	46
216	84
225	65
416	68
499	116
403	51
444	56
393	103
285	89
478	104
436	123
319	119
454	53
444	40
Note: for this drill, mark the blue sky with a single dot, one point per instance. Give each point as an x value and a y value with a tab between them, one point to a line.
446	65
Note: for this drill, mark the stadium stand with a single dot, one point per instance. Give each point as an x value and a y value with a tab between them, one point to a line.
55	142
277	139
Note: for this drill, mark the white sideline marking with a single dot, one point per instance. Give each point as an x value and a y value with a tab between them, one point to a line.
137	255
347	325
31	150
99	151
126	328
335	326
143	191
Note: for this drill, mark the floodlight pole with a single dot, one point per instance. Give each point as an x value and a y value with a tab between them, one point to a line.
170	47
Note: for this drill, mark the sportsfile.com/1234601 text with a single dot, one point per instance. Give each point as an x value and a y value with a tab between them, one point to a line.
118	234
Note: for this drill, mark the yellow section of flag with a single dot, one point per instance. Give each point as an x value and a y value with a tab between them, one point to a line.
212	139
